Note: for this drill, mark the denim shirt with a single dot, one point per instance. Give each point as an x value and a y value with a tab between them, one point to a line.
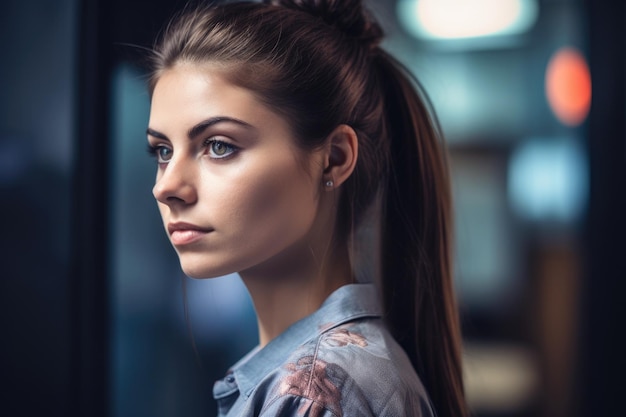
339	361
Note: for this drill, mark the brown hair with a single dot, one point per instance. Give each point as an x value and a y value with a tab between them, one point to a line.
319	63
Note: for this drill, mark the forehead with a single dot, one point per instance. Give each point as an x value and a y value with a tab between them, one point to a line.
187	93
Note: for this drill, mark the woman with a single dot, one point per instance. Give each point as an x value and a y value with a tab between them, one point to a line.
275	127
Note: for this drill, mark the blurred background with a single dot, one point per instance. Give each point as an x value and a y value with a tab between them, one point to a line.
531	95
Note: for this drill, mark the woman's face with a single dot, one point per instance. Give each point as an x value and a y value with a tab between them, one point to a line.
231	186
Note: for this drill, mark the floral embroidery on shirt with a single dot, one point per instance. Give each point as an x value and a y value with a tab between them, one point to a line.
342	337
313	379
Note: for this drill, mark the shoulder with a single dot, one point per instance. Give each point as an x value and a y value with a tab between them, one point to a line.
354	369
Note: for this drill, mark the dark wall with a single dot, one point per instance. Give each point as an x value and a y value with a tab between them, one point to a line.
604	309
36	140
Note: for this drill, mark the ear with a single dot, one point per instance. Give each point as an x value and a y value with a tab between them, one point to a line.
341	156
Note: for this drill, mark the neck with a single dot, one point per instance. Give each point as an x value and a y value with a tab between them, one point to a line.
285	292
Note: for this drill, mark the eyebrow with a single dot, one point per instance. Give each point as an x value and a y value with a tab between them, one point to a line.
202	126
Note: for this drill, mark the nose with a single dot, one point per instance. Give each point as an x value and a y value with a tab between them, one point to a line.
175	185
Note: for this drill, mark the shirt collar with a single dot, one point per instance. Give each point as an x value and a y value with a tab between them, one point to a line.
345	304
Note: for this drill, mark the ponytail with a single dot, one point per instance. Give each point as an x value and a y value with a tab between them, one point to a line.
417	286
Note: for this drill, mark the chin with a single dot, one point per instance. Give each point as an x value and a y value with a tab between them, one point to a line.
203	268
205	271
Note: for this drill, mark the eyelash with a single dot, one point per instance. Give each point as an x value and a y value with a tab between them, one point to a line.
153	150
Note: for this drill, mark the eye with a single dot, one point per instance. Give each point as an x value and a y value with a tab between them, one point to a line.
219	149
162	153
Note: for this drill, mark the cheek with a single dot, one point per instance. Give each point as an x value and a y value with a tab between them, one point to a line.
273	207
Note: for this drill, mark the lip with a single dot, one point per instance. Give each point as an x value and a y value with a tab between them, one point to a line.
182	233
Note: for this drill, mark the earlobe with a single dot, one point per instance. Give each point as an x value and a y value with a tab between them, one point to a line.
341	157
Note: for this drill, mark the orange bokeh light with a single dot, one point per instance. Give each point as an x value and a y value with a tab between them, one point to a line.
568	86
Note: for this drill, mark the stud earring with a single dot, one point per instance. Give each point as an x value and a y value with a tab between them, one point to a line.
329	183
